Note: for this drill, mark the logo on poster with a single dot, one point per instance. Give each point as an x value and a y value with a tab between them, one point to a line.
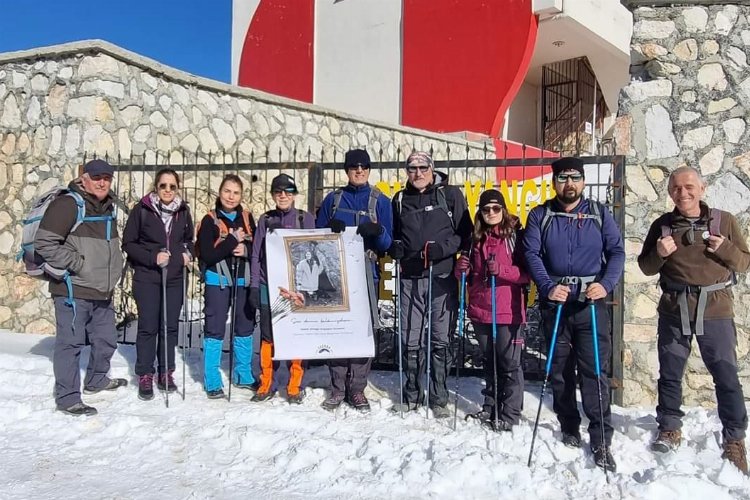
324	349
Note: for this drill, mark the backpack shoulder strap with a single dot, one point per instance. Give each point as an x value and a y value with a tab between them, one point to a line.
337	194
220	225
247	225
595	208
443	205
399	199
666	227
714	222
80	207
372	204
300	218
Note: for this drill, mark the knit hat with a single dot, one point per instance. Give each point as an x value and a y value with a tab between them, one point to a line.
491	196
98	167
567	163
355	157
283	182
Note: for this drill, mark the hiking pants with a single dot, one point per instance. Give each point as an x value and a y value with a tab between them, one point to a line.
717	347
575	347
217	302
95	320
509	379
414	315
149	343
267	364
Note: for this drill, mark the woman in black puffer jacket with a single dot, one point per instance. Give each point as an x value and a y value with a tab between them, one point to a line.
158	235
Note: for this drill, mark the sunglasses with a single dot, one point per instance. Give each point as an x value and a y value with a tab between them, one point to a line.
413	170
357	167
289	191
167	187
495	209
562	178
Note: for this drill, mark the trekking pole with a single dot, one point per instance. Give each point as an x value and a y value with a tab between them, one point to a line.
185	324
232	320
459	357
597	372
494	343
429	338
164	367
547	371
397	263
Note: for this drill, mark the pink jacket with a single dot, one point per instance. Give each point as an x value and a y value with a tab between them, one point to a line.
509	293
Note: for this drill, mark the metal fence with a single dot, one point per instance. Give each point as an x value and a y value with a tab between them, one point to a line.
522	180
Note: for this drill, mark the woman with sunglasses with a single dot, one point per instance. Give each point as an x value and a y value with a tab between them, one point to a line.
496	252
158	235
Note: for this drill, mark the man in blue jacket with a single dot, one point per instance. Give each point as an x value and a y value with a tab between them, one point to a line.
575	254
361	205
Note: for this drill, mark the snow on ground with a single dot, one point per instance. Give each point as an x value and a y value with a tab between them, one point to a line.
199	448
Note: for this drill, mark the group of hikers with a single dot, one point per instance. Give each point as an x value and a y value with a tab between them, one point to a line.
571	248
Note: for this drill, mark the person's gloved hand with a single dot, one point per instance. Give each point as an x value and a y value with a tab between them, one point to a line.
255	297
493	268
432	252
337	226
463	265
369	229
273	226
397	250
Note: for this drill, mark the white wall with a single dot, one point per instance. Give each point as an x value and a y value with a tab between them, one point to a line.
344	78
523	116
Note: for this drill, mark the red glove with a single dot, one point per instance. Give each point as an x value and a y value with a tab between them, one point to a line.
463	265
493	268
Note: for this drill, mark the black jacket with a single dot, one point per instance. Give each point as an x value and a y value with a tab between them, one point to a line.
415	226
145	235
208	234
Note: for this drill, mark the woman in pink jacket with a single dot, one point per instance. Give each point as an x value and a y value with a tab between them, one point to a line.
497	234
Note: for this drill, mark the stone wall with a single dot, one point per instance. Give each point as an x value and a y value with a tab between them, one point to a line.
61	103
688	103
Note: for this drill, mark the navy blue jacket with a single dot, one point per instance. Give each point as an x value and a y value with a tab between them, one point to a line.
573	248
358	198
144	236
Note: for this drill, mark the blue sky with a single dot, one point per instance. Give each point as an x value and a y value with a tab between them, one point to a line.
191	35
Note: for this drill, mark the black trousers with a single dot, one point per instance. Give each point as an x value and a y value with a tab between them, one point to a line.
509	378
575	347
717	346
149	343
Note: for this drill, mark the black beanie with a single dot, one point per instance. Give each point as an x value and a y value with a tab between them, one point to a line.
491	196
356	157
567	163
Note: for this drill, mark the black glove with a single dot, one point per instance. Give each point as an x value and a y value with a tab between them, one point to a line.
337	226
255	297
433	252
370	229
273	227
397	250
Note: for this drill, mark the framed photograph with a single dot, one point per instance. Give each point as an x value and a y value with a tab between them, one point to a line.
317	271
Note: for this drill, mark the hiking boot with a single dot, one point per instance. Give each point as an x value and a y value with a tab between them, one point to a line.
260	397
571	439
482	415
146	387
166	382
250	387
217	394
735	452
667	441
79	409
295	399
405	407
603	458
333	402
112	385
441	411
359	402
501	426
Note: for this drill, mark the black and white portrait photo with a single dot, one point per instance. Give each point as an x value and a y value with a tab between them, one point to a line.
317	271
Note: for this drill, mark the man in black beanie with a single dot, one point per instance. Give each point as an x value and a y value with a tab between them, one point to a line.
575	254
364	206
